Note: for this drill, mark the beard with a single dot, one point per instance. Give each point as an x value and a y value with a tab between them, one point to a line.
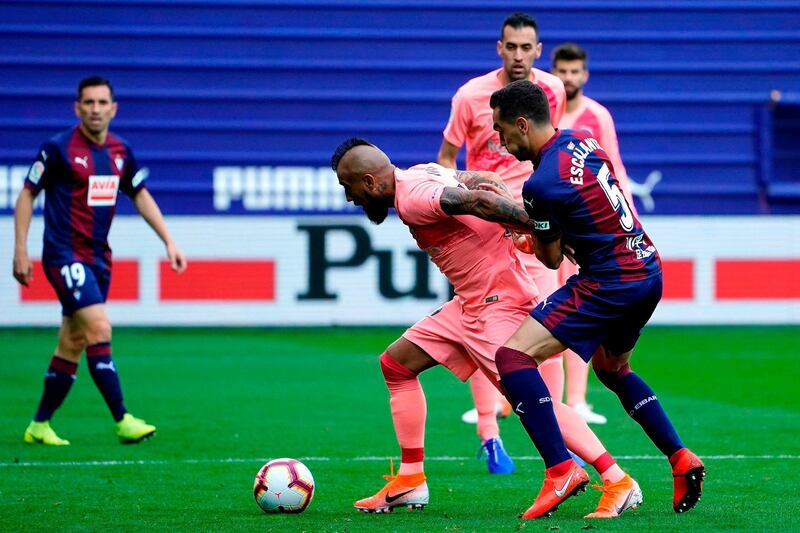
376	213
572	92
522	154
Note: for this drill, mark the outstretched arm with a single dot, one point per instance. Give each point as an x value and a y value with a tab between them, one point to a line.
486	205
149	210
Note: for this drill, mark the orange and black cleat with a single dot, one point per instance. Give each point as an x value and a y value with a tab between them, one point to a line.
688	472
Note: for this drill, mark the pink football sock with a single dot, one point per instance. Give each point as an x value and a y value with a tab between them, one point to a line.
577	374
577	436
407	403
608	468
552	372
485	396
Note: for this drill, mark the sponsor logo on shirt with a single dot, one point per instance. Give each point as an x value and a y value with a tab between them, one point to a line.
36	172
102	190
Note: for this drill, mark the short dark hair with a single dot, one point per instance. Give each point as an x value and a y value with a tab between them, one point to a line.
570	52
94	81
522	98
518	21
345	147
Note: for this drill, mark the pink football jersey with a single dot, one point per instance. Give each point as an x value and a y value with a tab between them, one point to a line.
471	122
476	256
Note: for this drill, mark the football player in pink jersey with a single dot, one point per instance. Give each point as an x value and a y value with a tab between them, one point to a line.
471	124
493	295
570	64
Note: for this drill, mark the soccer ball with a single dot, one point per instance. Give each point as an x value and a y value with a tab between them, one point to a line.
283	486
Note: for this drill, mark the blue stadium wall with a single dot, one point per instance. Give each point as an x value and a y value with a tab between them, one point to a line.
236	105
253	84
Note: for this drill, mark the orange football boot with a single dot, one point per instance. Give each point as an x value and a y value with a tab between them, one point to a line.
557	489
617	497
402	491
688	472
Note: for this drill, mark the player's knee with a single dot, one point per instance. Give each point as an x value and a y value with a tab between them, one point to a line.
98	331
510	360
394	373
609	370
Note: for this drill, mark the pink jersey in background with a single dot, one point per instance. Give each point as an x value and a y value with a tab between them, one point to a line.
595	118
475	255
471	122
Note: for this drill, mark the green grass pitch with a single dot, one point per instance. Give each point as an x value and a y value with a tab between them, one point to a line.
226	400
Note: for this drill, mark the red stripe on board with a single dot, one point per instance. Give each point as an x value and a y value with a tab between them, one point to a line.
678	279
124	283
763	279
219	280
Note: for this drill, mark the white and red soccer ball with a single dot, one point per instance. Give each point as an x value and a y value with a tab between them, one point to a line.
283	486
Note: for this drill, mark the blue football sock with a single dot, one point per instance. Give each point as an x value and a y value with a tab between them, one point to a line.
105	377
531	401
57	382
643	406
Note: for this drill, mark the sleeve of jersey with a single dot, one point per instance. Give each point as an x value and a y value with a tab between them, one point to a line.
420	204
608	140
134	178
42	168
542	210
458	125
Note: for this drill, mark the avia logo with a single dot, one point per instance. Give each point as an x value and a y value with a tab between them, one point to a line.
82	161
102	190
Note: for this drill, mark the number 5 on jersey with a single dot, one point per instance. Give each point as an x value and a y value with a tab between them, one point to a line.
617	199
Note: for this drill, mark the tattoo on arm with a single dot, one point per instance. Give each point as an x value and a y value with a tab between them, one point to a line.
473	179
485	205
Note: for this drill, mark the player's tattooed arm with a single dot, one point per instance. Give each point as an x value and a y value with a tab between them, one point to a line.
485	205
473	179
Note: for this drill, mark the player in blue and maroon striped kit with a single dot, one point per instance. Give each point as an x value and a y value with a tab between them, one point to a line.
576	208
81	171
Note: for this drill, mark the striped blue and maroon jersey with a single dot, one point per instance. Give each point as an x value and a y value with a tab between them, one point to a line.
574	195
81	180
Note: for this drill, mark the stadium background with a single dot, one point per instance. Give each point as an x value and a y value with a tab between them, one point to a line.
235	107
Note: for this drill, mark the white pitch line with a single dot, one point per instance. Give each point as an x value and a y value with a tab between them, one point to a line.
441	458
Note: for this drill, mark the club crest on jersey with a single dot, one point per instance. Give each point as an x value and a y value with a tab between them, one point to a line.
119	162
102	190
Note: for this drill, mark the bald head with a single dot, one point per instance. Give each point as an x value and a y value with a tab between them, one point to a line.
367	175
362	160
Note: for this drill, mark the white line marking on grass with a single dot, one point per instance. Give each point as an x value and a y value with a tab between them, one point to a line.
369	458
